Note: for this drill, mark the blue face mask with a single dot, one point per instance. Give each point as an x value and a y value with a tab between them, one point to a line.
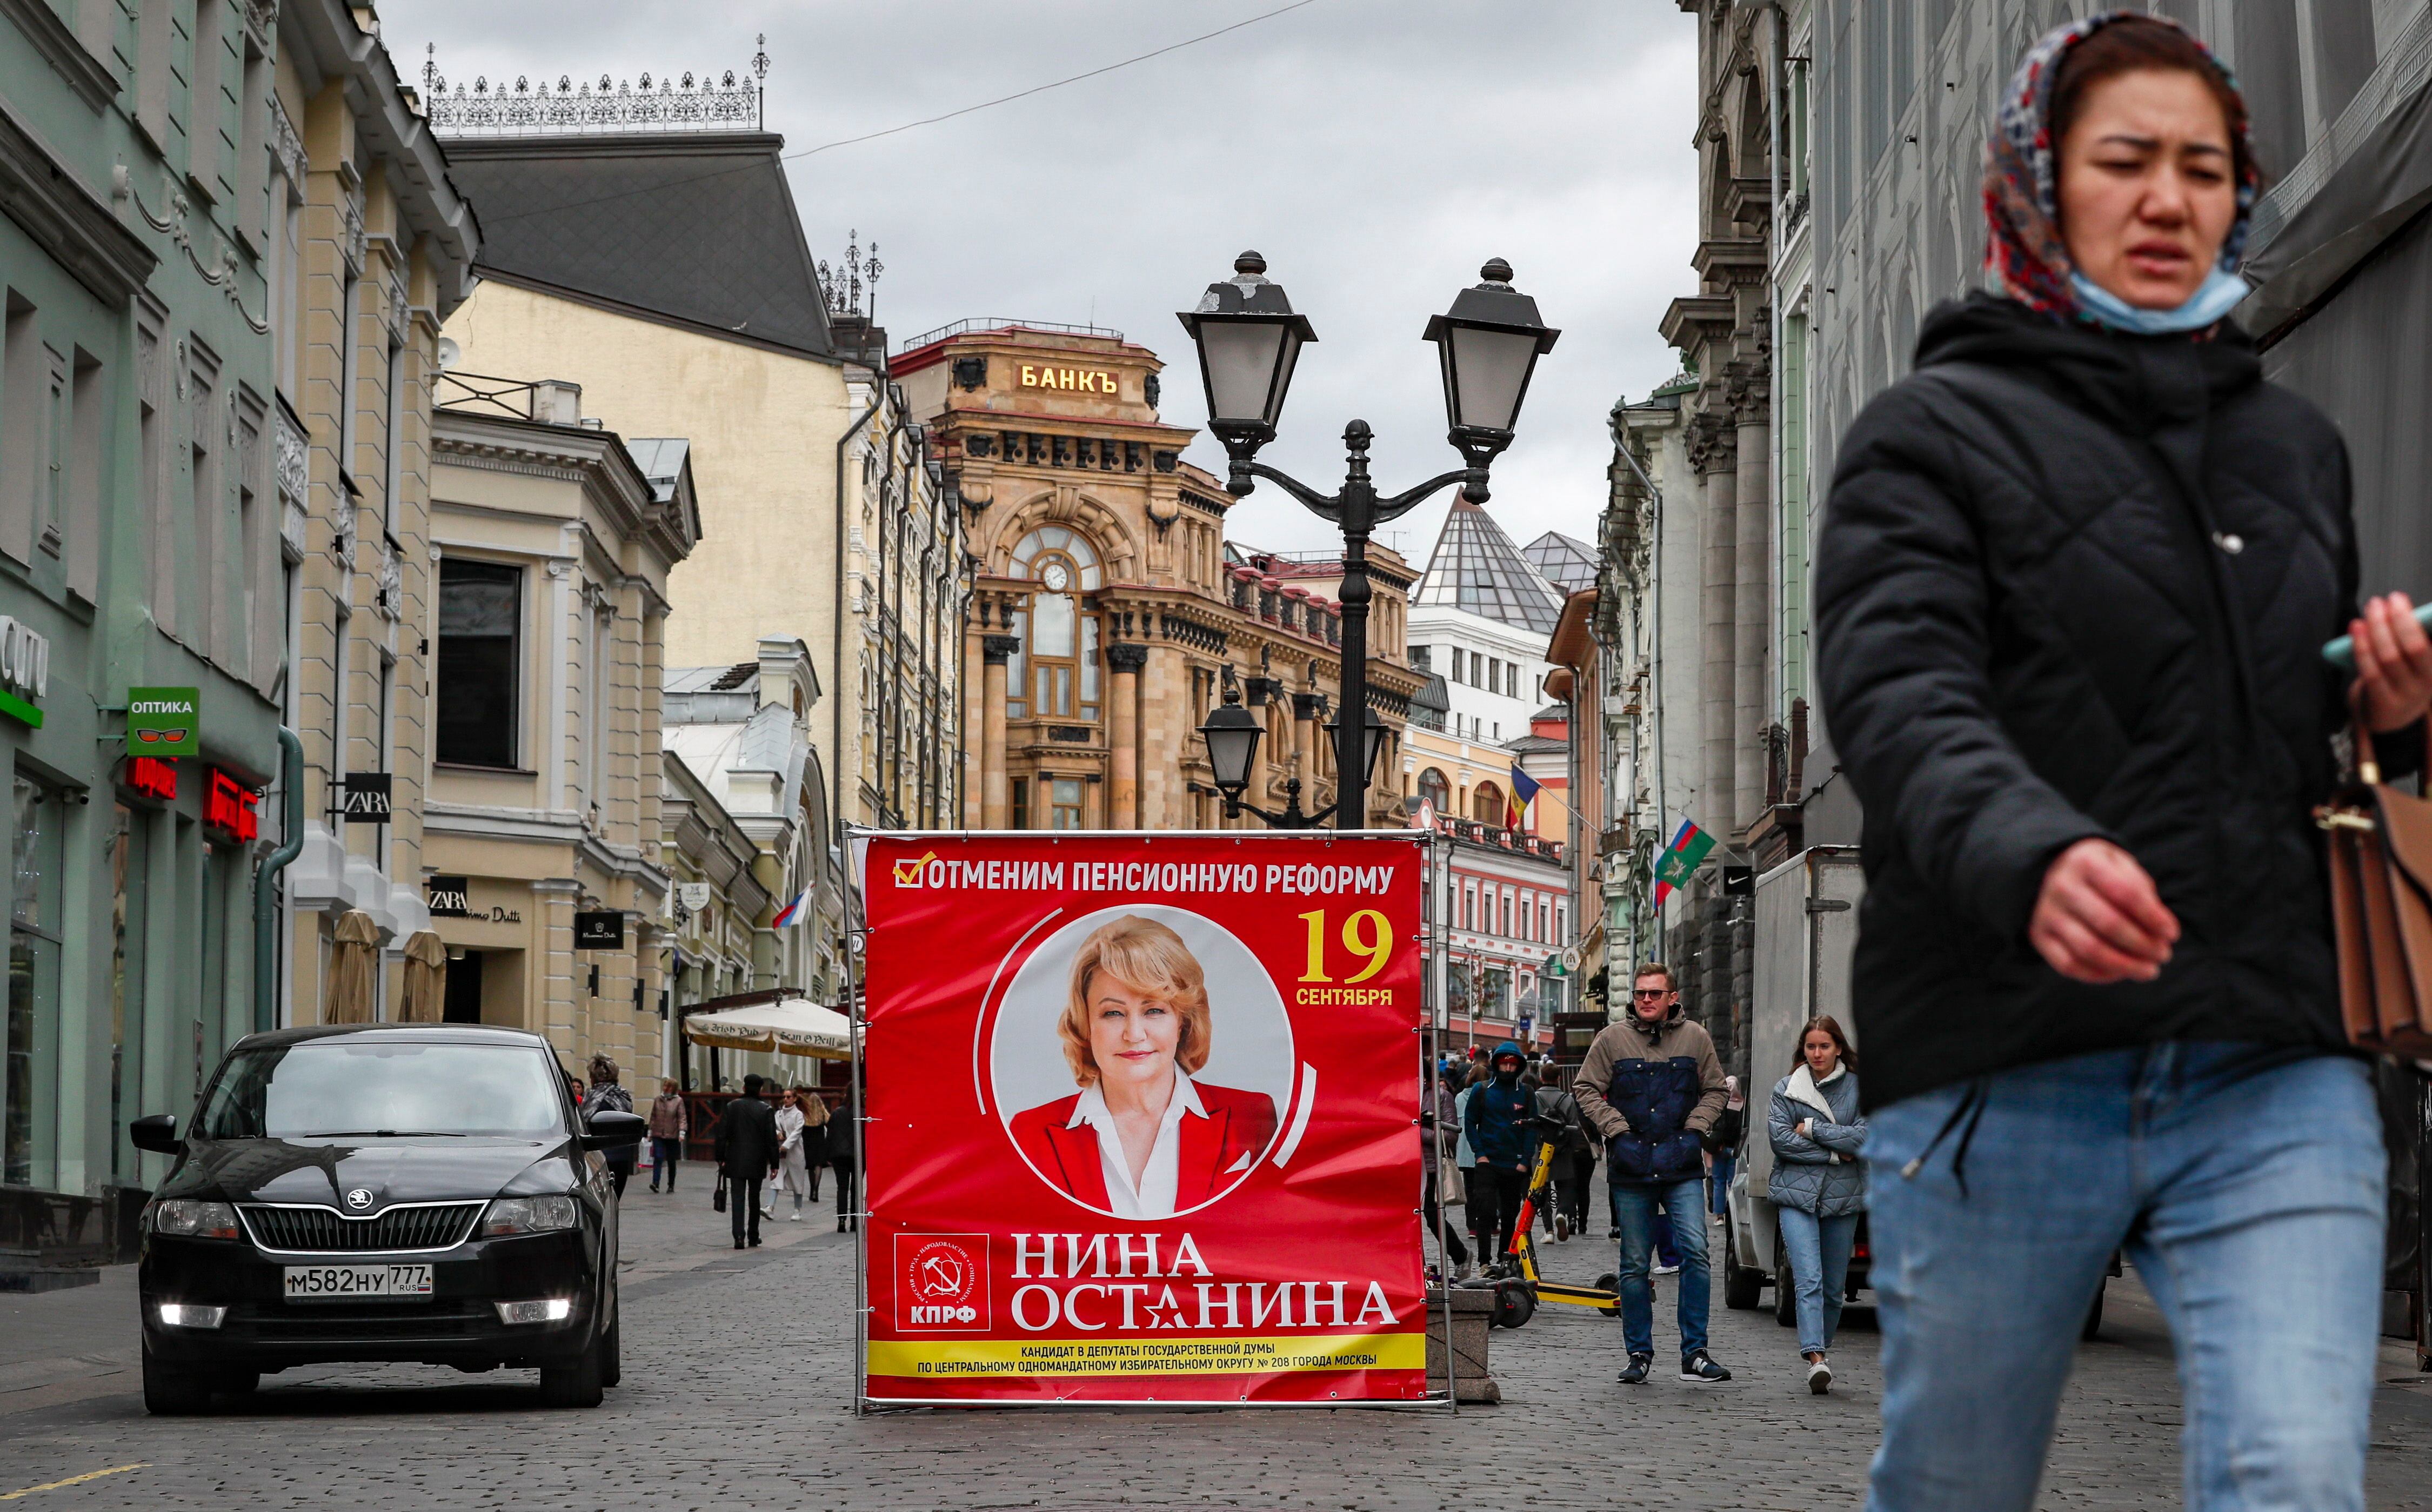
2218	295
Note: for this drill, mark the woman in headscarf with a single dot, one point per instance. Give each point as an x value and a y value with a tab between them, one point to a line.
604	1092
2072	591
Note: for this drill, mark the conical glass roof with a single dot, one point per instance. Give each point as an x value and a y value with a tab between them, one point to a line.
1476	568
1568	564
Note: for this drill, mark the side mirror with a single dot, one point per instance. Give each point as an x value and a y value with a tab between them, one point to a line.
158	1134
610	1129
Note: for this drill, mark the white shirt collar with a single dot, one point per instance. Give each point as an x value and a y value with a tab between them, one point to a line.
1155	1196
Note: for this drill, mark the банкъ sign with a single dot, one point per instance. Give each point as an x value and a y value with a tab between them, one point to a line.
1068	379
164	722
24	671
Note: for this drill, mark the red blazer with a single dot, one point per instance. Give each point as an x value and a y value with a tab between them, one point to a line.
1238	1124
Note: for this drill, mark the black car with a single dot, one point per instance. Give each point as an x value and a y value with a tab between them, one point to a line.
420	1192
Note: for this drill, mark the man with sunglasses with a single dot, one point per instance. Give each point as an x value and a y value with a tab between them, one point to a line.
1653	1087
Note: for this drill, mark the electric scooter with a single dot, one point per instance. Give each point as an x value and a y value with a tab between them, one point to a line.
1517	1296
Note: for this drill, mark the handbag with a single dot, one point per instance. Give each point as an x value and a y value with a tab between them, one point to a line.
2380	845
717	1199
1451	1190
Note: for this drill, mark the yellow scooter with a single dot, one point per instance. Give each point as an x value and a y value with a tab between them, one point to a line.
1517	1296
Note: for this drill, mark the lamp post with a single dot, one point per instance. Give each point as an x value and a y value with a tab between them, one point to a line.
1249	342
1232	734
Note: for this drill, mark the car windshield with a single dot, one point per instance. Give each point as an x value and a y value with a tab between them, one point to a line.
330	1087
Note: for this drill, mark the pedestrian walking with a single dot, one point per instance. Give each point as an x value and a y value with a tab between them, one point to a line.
1730	1128
669	1124
603	1092
793	1176
815	1137
1818	1186
1465	1155
1567	1214
842	1144
1652	1088
2072	587
1439	1131
1497	1121
746	1143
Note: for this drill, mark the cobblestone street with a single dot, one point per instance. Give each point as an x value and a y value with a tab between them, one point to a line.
739	1368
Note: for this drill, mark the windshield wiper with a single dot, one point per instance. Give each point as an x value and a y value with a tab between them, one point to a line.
382	1133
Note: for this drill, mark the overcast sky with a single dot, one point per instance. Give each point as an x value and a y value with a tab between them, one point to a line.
1376	151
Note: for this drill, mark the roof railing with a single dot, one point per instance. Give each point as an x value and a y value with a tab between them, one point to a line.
1006	323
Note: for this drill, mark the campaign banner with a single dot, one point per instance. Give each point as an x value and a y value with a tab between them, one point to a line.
1142	1118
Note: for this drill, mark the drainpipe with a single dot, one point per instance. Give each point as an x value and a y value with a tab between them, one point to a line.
836	695
265	905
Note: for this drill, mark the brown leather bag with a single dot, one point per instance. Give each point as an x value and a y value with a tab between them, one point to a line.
2381	907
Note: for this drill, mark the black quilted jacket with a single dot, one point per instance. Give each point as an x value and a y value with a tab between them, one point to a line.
2072	584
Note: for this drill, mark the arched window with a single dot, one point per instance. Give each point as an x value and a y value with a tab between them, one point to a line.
1057	674
1486	804
1437	791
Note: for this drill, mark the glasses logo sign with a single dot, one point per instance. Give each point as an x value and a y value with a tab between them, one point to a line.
164	722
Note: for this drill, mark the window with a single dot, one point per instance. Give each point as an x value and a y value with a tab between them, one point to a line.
1021	804
1436	790
1066	792
27	1089
1486	804
480	615
1506	914
85	525
1059	675
210	522
1469	906
129	892
206	113
20	427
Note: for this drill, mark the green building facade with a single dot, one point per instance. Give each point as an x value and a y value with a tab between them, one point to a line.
139	548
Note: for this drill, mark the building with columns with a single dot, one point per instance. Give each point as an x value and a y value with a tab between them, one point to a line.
1108	612
369	250
544	826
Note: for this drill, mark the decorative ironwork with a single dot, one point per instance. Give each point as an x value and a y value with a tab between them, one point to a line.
845	283
725	103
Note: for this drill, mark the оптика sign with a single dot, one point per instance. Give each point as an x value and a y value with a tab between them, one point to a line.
164	722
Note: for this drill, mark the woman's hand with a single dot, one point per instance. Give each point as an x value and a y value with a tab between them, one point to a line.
2394	661
2100	919
1804	1124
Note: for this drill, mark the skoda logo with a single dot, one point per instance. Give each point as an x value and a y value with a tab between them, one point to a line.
360	1197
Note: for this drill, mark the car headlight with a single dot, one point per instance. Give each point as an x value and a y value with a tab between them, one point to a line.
198	1220
188	1315
527	1214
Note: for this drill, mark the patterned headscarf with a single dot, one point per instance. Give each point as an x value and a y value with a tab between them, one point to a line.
2024	256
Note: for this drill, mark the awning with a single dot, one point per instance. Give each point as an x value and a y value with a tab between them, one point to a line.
789	1026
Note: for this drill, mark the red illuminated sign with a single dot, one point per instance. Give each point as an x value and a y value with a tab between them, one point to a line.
153	778
229	807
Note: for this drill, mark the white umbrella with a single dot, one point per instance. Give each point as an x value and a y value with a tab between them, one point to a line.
790	1026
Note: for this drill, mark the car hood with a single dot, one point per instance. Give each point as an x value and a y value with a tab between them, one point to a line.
326	1171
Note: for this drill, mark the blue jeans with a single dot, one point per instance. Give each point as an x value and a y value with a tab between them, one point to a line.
1820	1271
1633	1207
1718	1185
2247	1189
664	1155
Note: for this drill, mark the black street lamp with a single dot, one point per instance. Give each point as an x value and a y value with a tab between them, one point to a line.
1232	734
1249	341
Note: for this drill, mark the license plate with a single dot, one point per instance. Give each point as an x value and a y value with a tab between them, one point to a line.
349	1283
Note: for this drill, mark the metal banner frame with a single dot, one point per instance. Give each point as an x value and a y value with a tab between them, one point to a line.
1433	937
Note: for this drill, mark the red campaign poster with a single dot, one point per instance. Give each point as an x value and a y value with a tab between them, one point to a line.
1142	1118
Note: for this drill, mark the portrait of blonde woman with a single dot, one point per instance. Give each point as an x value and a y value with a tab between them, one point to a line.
1142	1139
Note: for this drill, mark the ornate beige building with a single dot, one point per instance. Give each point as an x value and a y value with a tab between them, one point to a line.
1108	611
369	250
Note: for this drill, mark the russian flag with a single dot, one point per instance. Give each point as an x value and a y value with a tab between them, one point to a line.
792	911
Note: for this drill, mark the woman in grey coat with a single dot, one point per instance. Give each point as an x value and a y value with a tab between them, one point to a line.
1818	1186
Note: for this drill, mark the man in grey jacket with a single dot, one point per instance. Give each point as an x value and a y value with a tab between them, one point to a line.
1653	1087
